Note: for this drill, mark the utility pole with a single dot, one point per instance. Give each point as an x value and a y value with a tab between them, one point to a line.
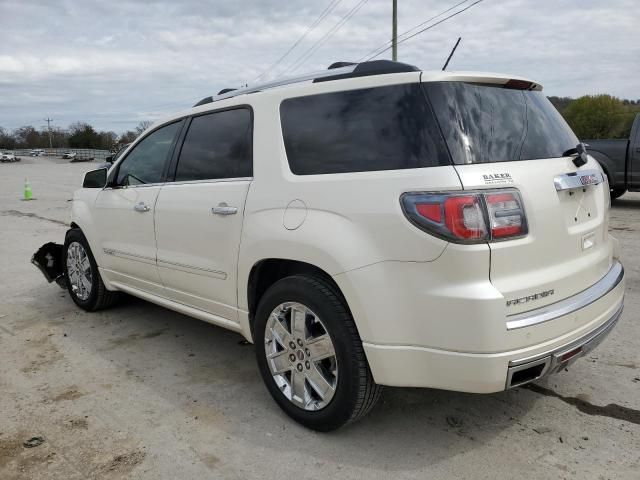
394	32
49	120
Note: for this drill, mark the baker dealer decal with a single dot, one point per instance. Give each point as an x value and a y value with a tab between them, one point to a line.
496	178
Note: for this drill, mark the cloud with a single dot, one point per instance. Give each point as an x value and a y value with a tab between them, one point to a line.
113	64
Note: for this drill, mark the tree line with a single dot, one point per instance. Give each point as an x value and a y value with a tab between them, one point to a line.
590	117
598	116
77	135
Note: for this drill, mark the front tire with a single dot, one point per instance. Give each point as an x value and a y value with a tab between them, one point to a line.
81	272
617	192
310	354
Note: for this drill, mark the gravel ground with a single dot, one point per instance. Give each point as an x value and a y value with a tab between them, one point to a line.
142	392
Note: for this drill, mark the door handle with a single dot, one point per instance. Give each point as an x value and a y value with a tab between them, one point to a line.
141	207
224	209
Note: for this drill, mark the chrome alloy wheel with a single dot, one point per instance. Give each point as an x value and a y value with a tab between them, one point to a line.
79	270
301	356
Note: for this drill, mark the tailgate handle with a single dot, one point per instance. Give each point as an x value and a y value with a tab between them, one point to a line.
584	178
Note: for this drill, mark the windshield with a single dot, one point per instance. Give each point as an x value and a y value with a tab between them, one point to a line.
486	123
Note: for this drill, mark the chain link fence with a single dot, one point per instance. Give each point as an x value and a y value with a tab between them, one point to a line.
82	154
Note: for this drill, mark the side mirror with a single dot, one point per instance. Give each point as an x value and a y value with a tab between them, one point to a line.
109	159
95	179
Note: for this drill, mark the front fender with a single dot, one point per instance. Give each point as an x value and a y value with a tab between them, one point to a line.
83	200
615	173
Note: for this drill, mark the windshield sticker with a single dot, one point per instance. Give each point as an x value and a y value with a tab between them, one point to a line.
497	178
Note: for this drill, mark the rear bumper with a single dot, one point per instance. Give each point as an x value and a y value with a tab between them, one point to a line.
526	370
593	316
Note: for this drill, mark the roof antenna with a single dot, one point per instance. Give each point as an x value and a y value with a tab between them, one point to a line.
451	54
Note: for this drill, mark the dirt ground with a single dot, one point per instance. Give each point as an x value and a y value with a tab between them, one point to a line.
141	392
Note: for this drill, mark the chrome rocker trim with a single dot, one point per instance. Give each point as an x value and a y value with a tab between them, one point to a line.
561	357
568	305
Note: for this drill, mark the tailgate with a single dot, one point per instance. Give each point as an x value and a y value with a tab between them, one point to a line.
510	136
568	247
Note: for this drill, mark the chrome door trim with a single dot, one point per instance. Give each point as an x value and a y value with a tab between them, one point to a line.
580	179
568	305
193	269
129	256
214	180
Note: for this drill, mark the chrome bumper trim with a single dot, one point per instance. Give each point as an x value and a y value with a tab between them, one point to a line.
553	360
568	305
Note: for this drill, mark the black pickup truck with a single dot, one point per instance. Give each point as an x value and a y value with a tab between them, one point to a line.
620	160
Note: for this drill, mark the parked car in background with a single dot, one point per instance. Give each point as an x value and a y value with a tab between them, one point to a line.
69	155
37	152
620	160
8	157
368	225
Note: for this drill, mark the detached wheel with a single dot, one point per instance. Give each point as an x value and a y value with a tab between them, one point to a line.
83	278
310	354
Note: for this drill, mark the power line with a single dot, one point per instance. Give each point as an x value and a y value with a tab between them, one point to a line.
316	22
427	28
390	42
306	55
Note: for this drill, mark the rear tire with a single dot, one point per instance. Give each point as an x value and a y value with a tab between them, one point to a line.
354	391
83	279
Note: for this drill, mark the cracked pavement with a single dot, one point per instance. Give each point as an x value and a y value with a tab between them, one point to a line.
142	392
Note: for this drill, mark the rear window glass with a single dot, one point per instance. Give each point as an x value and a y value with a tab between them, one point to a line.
485	124
382	128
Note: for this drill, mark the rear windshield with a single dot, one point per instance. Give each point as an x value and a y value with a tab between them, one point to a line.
382	128
483	124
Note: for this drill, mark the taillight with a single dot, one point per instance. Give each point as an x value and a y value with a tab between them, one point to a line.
468	217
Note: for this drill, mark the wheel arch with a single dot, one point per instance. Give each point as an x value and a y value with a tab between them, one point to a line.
268	271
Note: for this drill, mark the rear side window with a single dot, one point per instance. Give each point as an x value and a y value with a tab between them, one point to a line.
217	145
382	128
485	124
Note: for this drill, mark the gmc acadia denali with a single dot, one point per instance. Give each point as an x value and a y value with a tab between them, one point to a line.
368	225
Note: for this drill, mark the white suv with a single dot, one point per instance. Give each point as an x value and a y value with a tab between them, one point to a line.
377	225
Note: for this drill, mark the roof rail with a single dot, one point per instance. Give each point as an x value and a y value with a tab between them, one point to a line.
335	72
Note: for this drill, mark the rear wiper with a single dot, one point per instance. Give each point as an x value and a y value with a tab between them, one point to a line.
580	150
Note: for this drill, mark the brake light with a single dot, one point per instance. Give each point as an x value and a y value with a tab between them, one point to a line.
467	217
463	217
519	85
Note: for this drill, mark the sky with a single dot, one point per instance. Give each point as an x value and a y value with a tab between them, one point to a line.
115	63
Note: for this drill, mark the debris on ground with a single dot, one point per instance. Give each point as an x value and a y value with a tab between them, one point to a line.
454	422
541	430
33	442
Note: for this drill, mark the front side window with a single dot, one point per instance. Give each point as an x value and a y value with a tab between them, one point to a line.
217	145
382	128
146	162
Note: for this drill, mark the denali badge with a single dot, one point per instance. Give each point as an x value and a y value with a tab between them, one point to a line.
493	178
529	298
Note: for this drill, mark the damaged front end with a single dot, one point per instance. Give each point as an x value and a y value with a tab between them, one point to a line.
48	259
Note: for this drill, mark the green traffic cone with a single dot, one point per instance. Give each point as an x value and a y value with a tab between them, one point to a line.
28	195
